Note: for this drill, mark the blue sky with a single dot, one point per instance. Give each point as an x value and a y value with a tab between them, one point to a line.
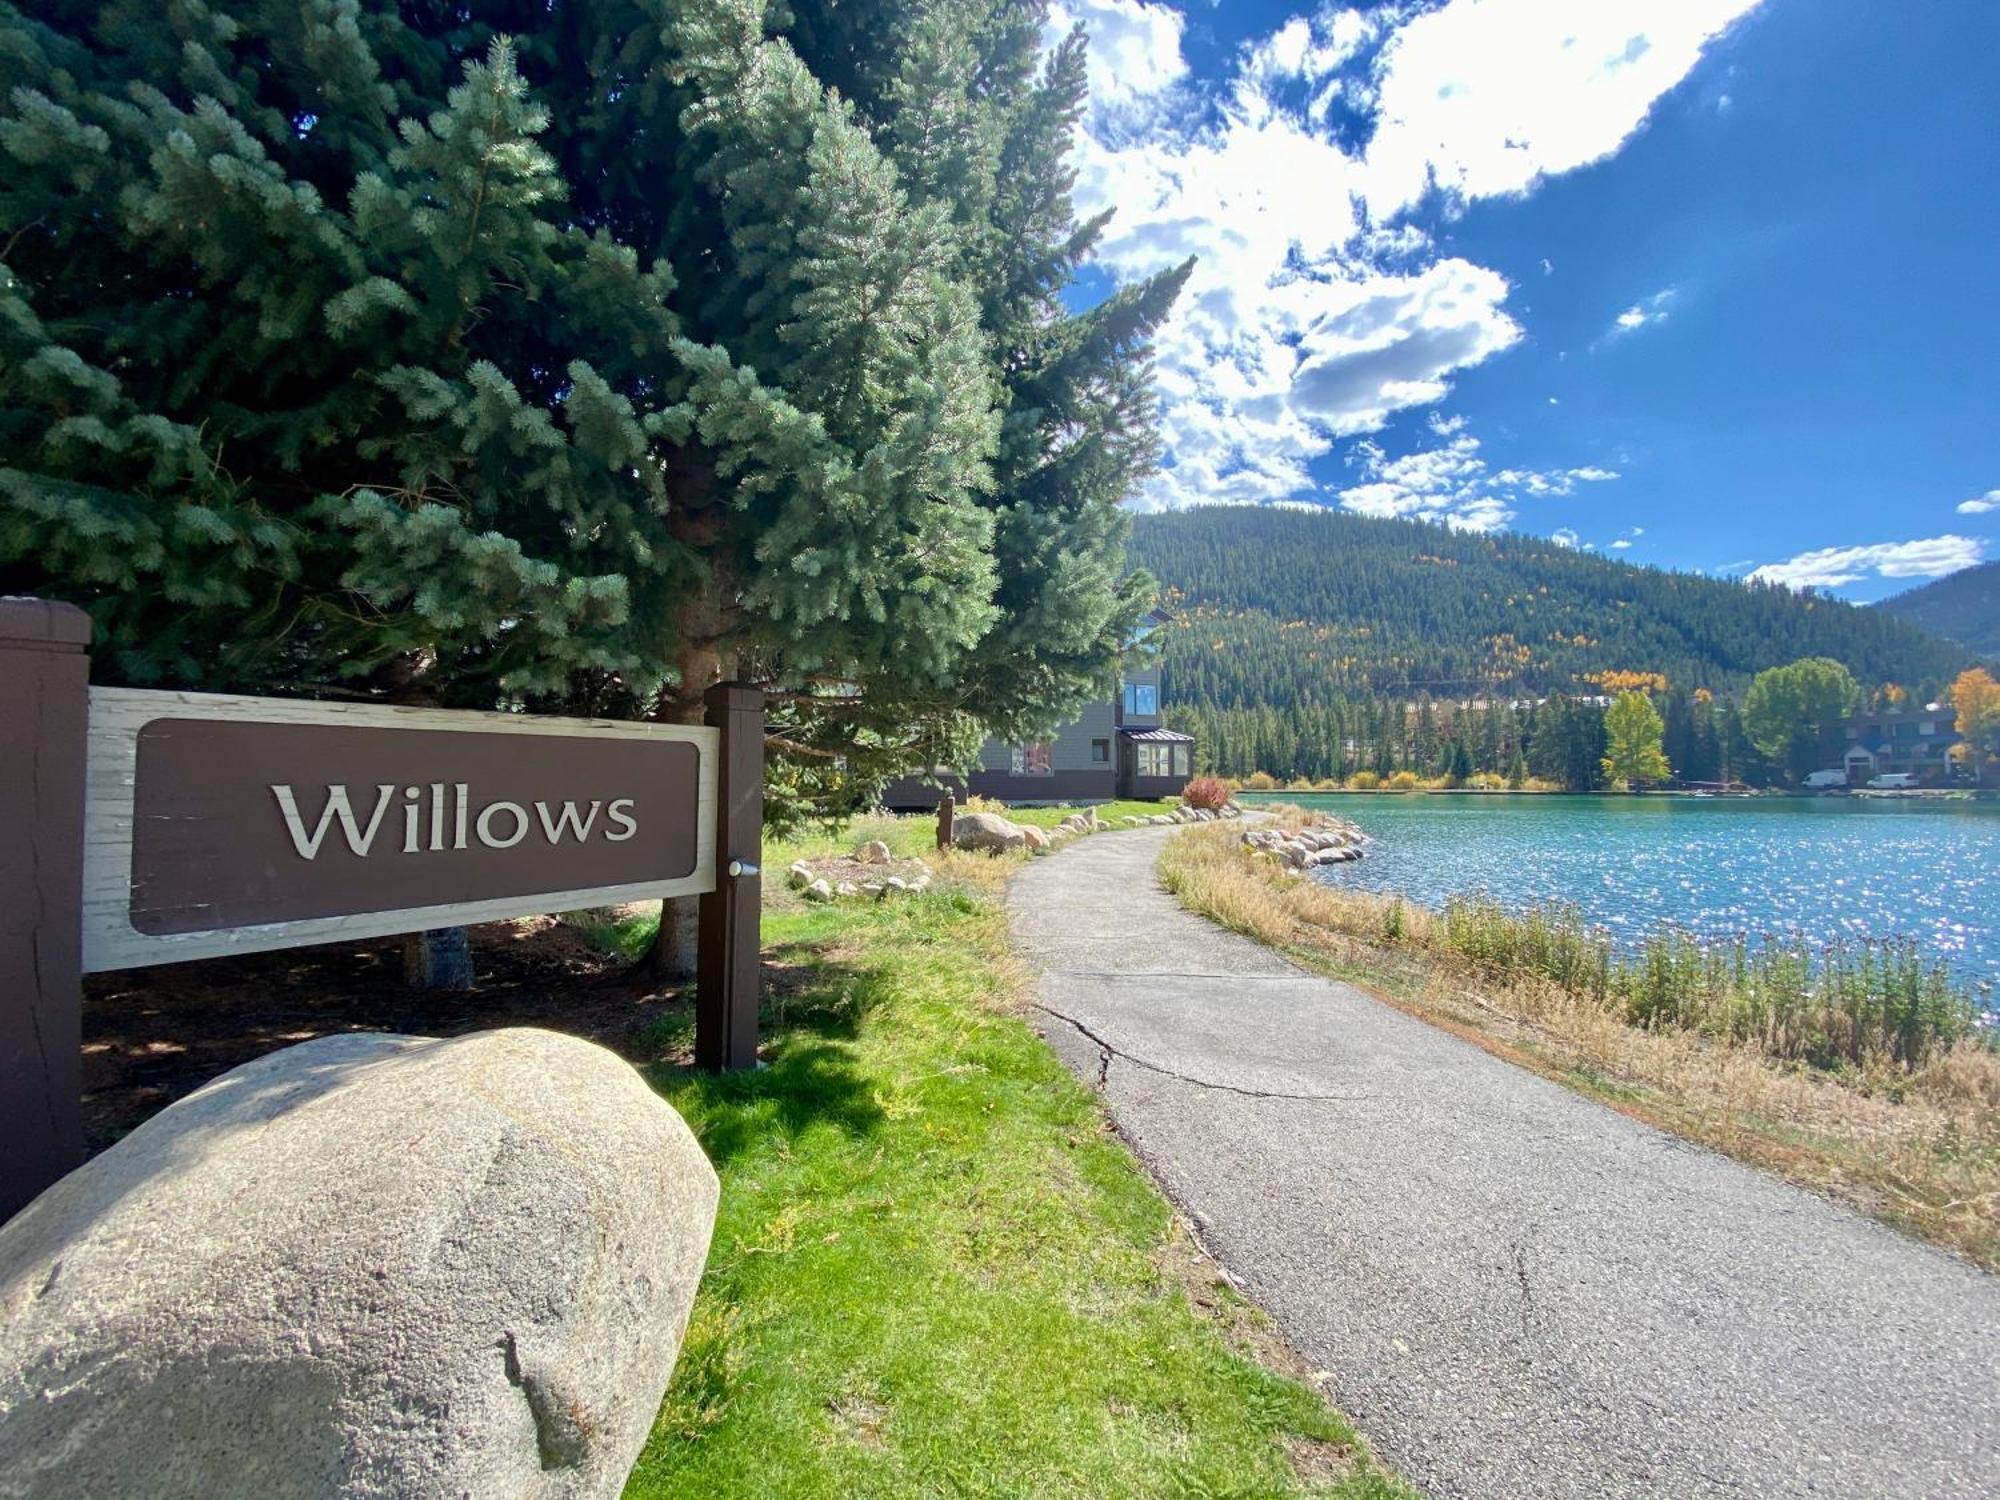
1703	283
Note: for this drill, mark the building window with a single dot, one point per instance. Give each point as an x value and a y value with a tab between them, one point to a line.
1033	759
1164	760
1142	700
1100	752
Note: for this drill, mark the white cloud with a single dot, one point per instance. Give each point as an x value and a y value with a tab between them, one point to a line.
1553	481
1483	97
1283	340
1652	309
1311	48
1980	505
1621	544
1380	343
1135	48
1452	484
1562	536
1831	567
1309	317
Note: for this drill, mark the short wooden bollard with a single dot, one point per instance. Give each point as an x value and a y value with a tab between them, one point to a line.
947	814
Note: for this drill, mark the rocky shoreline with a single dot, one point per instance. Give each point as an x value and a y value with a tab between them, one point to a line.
1321	840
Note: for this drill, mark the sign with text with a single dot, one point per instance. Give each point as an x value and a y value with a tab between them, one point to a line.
224	824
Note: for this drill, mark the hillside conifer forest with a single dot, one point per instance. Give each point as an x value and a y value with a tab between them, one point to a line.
1321	645
1963	606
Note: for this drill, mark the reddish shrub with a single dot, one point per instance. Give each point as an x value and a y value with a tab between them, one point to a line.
1205	791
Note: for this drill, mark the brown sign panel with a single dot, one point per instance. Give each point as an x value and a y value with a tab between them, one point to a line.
220	824
240	823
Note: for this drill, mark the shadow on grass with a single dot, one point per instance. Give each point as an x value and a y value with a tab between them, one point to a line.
812	1012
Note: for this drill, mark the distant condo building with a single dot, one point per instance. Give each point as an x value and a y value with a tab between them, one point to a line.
1118	748
1916	741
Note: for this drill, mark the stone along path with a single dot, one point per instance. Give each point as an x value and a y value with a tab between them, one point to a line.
1515	1291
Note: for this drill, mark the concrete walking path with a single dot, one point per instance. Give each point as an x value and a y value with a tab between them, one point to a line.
1514	1291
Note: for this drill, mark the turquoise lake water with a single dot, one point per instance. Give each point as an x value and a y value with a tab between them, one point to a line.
1826	867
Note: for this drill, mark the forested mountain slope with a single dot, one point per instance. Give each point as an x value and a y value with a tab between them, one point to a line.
1284	607
1964	606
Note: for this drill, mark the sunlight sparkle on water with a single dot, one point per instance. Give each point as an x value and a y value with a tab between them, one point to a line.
1856	869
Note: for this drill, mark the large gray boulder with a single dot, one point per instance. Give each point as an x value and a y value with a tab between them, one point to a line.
364	1266
987	831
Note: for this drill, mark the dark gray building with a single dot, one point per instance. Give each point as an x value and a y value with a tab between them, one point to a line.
1916	741
1119	748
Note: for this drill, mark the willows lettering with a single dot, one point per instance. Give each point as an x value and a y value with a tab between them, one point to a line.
445	816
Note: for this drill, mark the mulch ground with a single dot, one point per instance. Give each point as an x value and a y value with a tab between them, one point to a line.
152	1035
835	868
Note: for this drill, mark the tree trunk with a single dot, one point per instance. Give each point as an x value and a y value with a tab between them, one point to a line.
674	948
440	959
701	666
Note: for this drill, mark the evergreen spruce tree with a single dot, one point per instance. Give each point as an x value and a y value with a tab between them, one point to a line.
1457	762
1491	737
1425	743
1704	754
1569	744
573	359
1733	749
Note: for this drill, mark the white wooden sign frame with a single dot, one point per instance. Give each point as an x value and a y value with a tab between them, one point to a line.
118	714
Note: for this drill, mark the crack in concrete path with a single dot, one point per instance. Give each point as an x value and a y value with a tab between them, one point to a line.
1109	1051
1527	1292
1527	1296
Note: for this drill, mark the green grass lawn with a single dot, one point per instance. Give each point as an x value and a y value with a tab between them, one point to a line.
935	1270
1111	812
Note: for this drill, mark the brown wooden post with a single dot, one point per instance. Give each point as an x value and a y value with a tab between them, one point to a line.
947	811
45	687
726	962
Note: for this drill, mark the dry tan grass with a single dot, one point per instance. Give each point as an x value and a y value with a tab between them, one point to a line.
1918	1148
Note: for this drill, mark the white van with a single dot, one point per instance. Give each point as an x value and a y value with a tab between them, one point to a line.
1819	781
1893	781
